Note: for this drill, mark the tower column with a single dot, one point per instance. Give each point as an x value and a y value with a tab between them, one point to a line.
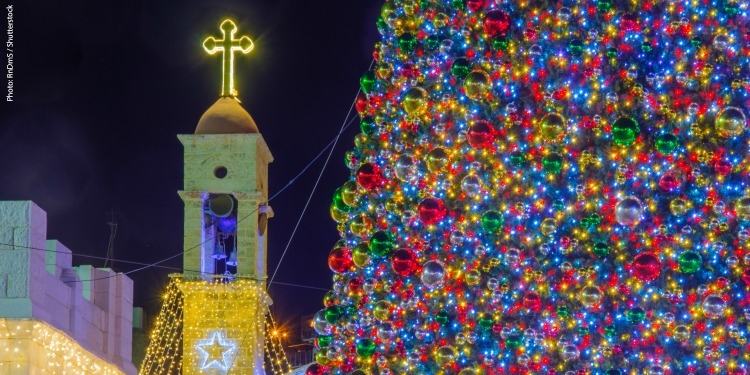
194	258
251	246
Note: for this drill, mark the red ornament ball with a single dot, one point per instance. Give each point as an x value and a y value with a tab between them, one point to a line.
361	103
475	5
628	22
723	167
496	23
646	266
355	284
431	211
369	176
481	135
403	262
532	301
315	369
340	260
669	182
746	276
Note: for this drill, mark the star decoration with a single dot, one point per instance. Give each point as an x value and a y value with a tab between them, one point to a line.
216	351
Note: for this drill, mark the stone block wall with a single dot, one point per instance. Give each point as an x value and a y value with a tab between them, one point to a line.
93	306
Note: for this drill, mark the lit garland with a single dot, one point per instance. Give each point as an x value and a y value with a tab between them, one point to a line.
549	188
275	353
213	326
163	355
32	346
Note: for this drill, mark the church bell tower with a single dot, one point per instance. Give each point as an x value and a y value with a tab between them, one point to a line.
225	192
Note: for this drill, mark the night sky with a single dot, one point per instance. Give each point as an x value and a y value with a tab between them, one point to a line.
102	88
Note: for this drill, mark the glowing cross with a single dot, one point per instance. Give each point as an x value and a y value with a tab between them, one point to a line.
216	352
228	45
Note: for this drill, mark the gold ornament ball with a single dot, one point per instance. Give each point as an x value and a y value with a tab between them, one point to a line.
730	122
338	215
350	193
360	256
549	226
415	101
437	159
382	310
473	277
477	85
552	127
681	333
590	296
742	207
360	226
678	206
445	355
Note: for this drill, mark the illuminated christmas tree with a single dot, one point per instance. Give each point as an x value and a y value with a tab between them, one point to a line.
546	187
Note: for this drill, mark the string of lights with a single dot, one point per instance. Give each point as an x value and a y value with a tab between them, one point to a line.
245	301
159	262
180	269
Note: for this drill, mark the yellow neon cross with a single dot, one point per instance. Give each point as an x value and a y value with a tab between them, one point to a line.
228	45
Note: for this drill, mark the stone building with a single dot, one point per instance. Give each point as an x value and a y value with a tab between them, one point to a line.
56	318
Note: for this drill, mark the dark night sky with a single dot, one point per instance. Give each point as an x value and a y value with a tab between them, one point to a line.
102	88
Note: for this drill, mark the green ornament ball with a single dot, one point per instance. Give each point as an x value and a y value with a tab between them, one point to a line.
382	243
407	42
338	201
368	81
610	331
689	262
432	42
604	6
460	68
442	318
486	323
368	125
552	163
324	341
575	47
636	315
517	159
492	221
624	131
667	143
501	43
333	314
601	250
514	341
365	348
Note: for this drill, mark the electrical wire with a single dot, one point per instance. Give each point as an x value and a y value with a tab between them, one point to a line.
158	263
146	264
345	124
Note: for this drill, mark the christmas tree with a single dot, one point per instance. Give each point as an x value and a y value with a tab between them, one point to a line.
546	187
